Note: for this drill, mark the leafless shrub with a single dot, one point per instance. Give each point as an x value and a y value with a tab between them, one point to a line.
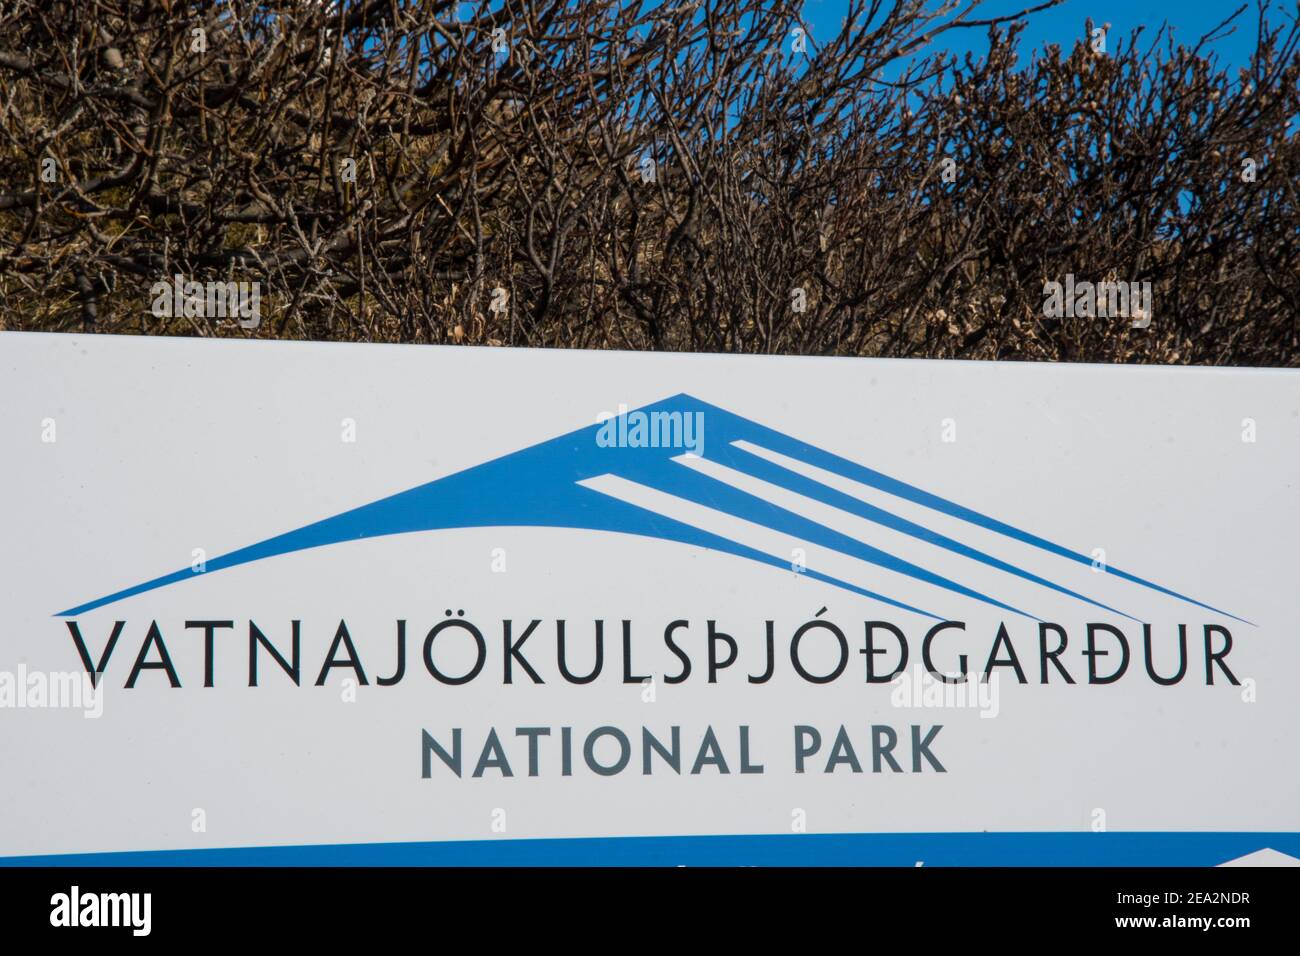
672	177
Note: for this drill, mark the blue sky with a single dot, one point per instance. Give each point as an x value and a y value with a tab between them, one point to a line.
1065	24
1190	20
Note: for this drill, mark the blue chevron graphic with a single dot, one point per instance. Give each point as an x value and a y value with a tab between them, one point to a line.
540	487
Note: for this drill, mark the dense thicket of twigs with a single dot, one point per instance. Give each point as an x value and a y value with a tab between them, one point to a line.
774	170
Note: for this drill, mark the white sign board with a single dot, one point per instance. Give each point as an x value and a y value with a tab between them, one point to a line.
353	603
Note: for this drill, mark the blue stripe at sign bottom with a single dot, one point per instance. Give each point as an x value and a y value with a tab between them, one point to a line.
811	849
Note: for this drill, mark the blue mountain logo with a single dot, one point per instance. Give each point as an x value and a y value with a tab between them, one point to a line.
543	487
